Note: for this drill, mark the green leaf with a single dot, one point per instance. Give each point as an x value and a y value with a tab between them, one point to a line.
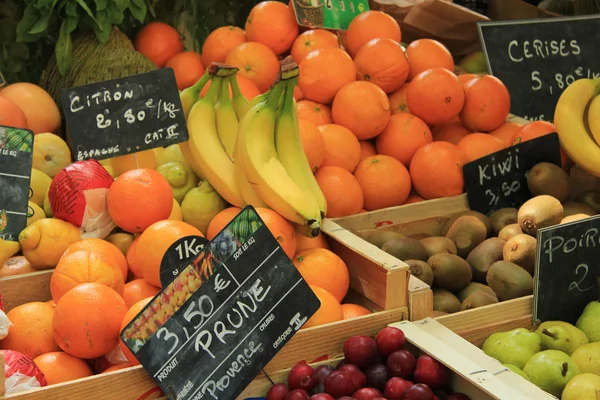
115	16
101	4
42	24
103	29
64	49
151	9
138	9
87	9
121	4
72	9
41	4
30	16
72	23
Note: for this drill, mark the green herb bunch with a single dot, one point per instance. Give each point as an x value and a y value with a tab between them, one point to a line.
45	17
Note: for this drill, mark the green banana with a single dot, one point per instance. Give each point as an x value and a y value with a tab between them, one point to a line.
227	120
240	104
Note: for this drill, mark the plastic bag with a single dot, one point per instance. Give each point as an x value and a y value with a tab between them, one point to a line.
21	373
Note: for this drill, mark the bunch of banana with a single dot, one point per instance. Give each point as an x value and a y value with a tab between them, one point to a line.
577	122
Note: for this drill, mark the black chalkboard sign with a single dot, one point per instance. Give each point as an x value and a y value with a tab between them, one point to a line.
123	116
566	268
2	81
210	331
536	59
499	180
16	146
179	255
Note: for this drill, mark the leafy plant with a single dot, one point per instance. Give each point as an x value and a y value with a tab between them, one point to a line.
63	17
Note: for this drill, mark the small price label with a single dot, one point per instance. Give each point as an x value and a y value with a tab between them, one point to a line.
328	14
179	255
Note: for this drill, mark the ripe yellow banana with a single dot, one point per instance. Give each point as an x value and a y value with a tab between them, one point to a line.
594	118
188	98
8	249
205	146
240	104
264	170
570	123
227	120
291	152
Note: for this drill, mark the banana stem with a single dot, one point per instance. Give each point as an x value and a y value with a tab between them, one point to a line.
197	87
275	95
222	70
215	88
235	87
225	90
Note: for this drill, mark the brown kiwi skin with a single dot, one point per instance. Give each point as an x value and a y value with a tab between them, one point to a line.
592	199
549	179
450	272
483	256
539	212
379	238
445	301
421	270
405	249
509	281
438	244
472	288
503	217
466	233
572	207
573	218
482	217
478	299
521	250
509	231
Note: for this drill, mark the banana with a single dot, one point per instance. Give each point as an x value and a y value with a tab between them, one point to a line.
264	170
227	120
240	104
594	118
570	124
205	146
291	152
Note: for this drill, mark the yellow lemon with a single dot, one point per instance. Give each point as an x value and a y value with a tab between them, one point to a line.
200	206
39	184
45	241
141	159
50	153
121	240
8	249
180	177
176	212
170	153
47	208
35	213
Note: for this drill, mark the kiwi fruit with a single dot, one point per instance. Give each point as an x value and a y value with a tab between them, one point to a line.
549	179
450	272
466	233
539	212
437	245
502	217
379	238
421	270
405	249
472	288
478	299
509	281
575	207
574	217
481	217
521	250
592	199
485	254
438	313
445	301
509	231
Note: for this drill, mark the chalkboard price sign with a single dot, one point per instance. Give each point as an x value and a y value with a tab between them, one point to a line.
16	146
210	331
537	59
124	116
2	81
179	255
566	269
499	180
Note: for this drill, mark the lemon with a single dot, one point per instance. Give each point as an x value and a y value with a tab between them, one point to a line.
35	213
180	177
141	159
200	206
171	153
8	249
50	153
121	240
110	170
47	208
176	212
39	184
45	241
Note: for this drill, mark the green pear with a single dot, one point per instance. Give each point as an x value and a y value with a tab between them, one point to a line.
474	63
514	347
582	387
180	177
559	335
516	370
200	205
589	321
587	358
551	370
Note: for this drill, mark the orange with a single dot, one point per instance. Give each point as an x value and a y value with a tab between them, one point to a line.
273	24
413	198
11	114
312	40
464	78
487	104
436	96
159	42
132	312
298	95
117	367
325	269
31	329
131	257
318	114
477	145
87	320
451	132
247	88
382	62
39	108
281	228
155	241
370	25
325	71
354	310
59	367
536	129
16	265
139	198
398	100
385	182
220	221
137	290
402	137
107	251
505	132
220	42
329	311
342	191
84	266
342	148
128	162
188	68
437	170
363	108
424	54
313	143
303	242
256	62
367	149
